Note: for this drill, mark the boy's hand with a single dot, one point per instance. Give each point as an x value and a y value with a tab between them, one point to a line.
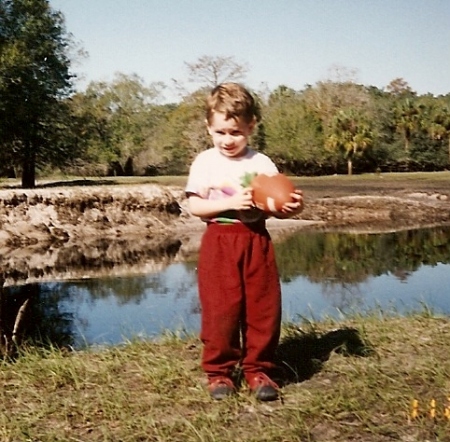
204	208
292	208
242	199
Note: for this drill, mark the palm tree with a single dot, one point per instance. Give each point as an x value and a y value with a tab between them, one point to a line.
439	128
407	119
351	132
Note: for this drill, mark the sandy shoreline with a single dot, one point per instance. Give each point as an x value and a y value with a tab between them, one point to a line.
81	232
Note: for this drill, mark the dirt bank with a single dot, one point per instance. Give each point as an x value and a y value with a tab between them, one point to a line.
75	232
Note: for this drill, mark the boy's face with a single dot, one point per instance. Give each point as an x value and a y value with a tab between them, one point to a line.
229	136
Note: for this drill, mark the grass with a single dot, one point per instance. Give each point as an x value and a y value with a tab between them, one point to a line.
413	180
154	391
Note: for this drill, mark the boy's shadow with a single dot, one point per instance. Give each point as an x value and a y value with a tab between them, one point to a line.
300	355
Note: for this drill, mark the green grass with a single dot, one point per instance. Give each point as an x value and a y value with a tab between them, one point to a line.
154	391
412	180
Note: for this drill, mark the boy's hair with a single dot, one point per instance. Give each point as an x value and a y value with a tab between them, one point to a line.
234	101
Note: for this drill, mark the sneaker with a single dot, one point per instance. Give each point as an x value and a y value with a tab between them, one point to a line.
262	386
220	387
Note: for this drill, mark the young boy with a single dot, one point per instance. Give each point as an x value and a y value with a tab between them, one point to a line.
238	279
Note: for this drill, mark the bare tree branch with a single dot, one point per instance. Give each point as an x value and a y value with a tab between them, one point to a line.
211	71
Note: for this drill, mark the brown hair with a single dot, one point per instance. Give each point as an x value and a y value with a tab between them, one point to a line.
234	101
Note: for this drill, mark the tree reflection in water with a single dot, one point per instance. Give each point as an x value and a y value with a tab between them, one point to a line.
344	263
339	268
351	258
44	322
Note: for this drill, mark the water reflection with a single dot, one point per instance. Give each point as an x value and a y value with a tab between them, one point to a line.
323	274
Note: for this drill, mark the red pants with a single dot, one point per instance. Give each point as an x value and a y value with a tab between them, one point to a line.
240	297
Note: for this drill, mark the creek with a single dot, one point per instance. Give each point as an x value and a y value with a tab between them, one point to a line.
323	274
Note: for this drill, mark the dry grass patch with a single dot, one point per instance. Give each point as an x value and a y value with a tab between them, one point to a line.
154	391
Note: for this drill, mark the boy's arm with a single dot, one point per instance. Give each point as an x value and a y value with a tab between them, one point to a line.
205	208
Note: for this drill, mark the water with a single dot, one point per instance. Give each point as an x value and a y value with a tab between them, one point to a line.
322	274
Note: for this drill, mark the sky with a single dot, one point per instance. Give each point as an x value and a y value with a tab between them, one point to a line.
282	42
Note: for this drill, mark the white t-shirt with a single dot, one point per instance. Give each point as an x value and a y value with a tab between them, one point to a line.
215	176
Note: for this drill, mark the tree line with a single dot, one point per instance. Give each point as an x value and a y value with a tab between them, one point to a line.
124	127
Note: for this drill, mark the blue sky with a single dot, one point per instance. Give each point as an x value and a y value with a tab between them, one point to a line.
290	42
